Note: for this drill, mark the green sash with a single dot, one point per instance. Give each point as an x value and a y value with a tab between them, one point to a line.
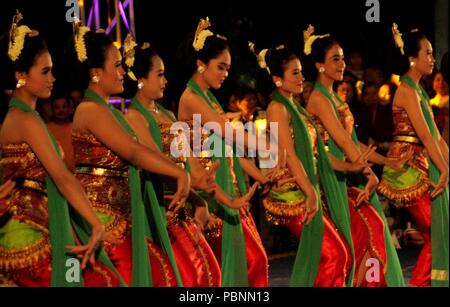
439	206
59	221
234	263
141	268
154	195
393	270
309	251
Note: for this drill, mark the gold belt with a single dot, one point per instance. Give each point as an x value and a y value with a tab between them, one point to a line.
408	139
34	185
98	171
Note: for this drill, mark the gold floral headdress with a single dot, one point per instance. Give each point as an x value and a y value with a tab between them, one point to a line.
17	36
260	57
309	39
80	45
202	33
128	53
398	38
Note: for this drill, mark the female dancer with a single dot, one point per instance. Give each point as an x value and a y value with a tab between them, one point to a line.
324	256
415	130
376	261
35	226
237	245
107	155
152	123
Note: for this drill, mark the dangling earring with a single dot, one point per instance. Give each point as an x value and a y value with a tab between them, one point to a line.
140	85
278	83
95	79
201	69
322	70
20	83
412	64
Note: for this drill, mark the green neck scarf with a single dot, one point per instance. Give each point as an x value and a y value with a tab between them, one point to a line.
309	251
60	232
154	194
141	270
439	206
58	217
393	270
234	263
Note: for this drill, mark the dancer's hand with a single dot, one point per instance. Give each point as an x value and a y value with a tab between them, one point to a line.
311	206
87	252
201	217
363	196
237	203
440	186
207	181
179	198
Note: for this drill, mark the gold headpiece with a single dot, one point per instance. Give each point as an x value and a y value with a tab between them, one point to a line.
309	39
398	38
202	33
128	54
260	57
17	37
80	45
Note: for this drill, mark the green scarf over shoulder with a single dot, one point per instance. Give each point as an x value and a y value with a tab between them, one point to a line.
393	270
59	222
439	205
310	246
234	258
140	217
154	192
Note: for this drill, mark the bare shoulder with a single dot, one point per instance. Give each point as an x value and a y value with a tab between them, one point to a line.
189	103
405	96
276	107
317	103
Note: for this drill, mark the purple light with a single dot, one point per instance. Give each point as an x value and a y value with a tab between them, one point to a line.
91	13
117	101
113	22
124	17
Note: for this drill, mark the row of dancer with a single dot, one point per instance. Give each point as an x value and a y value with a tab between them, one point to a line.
337	231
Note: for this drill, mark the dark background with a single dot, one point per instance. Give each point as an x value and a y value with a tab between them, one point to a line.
268	24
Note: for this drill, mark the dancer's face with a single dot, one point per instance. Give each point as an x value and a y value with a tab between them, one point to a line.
334	63
424	60
155	82
217	69
39	79
111	75
292	81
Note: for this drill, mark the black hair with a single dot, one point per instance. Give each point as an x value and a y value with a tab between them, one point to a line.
143	63
320	47
75	73
411	48
187	56
33	47
411	41
277	59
